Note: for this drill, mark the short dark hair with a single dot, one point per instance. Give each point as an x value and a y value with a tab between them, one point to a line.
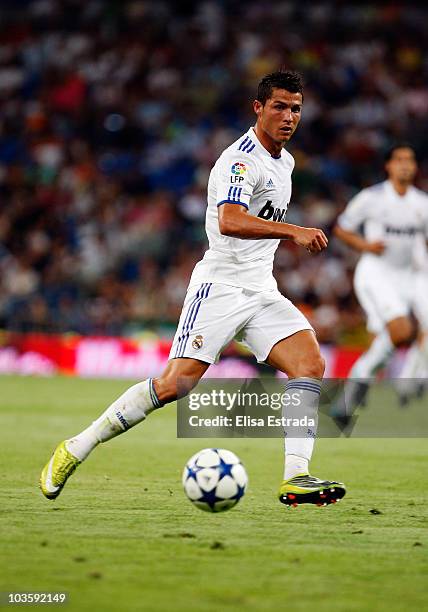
283	79
389	153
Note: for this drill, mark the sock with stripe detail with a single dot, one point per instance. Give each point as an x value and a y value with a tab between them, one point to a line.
128	410
299	441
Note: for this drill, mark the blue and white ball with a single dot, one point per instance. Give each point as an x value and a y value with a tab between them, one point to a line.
214	479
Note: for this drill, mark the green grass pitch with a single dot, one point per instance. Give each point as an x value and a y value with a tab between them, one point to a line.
122	536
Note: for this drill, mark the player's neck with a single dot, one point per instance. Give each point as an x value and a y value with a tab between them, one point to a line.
400	187
272	146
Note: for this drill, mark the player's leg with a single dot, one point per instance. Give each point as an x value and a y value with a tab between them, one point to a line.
421	372
134	405
420	309
137	402
407	385
395	333
375	357
131	408
386	304
280	335
412	381
196	345
415	367
299	357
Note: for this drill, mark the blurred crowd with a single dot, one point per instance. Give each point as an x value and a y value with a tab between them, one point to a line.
112	114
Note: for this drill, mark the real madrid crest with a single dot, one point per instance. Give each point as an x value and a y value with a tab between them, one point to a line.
198	342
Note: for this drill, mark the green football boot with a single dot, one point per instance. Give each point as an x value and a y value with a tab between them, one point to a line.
306	489
55	473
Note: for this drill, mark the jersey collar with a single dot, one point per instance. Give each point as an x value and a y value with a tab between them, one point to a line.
252	134
390	188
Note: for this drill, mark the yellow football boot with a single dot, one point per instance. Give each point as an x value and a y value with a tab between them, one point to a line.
306	489
55	473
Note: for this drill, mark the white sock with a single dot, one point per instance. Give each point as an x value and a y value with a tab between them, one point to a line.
299	441
294	466
130	408
374	358
412	361
422	371
414	368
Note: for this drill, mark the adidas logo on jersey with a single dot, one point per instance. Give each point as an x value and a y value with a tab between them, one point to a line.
270	184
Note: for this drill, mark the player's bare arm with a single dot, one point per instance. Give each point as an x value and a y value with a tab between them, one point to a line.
358	242
236	222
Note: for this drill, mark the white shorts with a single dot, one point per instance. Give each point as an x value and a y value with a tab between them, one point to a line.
385	294
214	314
420	302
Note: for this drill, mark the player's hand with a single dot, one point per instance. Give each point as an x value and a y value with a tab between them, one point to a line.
377	248
312	239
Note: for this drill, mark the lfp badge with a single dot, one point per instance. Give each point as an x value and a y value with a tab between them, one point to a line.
239	168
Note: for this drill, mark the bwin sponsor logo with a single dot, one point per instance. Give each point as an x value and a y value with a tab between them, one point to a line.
402	231
270	212
122	420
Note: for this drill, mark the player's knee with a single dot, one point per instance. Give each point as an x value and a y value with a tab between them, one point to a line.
166	388
316	366
402	339
169	387
311	365
402	333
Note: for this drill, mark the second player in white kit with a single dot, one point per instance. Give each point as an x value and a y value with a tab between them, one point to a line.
385	282
388	224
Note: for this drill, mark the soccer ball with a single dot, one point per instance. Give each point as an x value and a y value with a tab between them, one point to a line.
214	479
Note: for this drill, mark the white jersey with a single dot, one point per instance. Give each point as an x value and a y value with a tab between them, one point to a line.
245	174
421	257
420	305
400	222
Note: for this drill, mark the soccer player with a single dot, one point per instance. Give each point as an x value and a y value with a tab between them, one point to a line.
232	291
394	217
